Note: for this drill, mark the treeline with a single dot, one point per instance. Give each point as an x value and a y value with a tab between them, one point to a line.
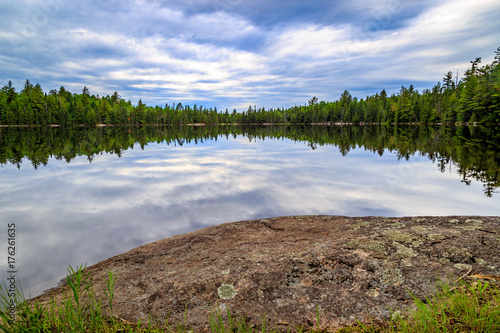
474	150
473	98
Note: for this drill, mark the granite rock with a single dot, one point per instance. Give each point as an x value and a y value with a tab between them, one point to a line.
288	268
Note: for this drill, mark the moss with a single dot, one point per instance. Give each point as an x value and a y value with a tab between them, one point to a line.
453	221
227	291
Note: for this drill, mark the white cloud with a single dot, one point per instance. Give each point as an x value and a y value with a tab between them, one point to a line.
159	52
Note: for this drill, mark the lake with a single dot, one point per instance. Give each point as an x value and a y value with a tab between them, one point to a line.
82	195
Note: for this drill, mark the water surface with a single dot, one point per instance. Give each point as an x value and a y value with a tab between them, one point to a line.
83	195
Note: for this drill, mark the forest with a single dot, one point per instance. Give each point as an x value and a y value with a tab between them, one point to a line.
474	98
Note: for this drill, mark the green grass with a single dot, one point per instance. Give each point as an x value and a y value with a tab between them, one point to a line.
467	307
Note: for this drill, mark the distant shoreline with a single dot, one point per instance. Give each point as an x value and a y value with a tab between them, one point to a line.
475	124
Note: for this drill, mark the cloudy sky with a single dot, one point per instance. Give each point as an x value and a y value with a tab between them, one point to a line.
235	53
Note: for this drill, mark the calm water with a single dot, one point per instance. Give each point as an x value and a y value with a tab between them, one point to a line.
147	184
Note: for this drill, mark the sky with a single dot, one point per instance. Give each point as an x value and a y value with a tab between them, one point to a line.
236	53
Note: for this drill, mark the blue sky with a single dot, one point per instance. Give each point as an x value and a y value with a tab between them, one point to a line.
235	53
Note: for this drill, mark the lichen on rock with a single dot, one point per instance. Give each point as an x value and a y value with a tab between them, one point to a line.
436	237
462	266
392	276
403	251
403	237
227	291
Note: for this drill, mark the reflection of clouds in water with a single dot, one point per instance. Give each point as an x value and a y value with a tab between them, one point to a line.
90	212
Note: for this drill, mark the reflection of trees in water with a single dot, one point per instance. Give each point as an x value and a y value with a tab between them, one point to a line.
475	151
482	169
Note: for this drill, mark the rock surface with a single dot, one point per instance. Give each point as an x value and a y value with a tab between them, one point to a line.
287	268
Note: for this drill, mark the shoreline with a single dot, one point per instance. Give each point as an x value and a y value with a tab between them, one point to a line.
282	266
475	124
